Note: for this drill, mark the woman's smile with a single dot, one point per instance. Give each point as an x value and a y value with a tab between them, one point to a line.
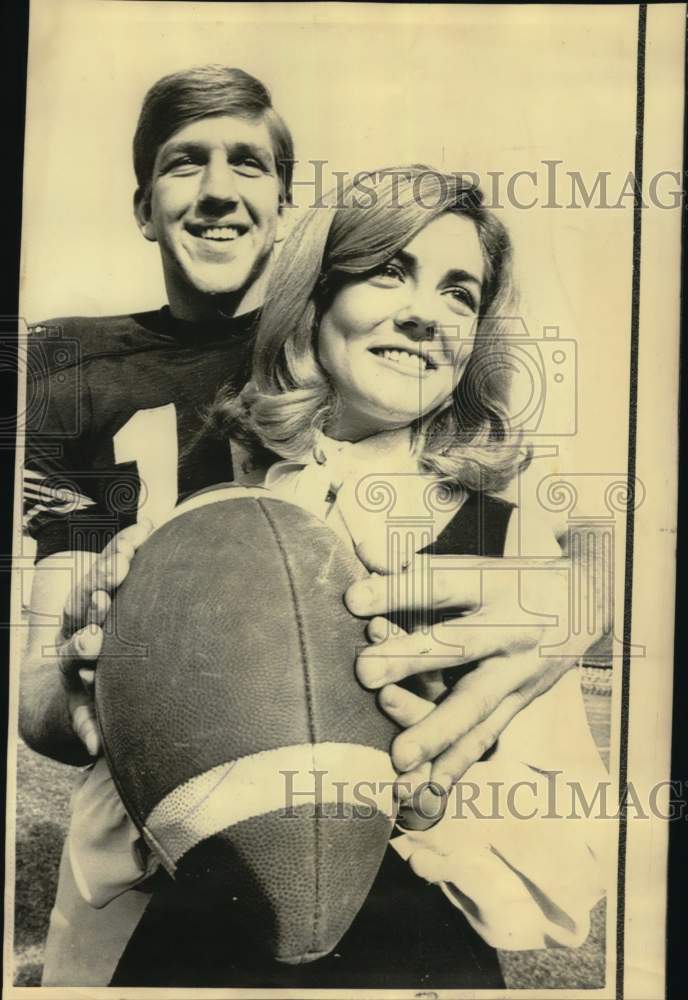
405	361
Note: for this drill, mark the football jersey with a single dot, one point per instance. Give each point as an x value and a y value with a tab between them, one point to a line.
114	414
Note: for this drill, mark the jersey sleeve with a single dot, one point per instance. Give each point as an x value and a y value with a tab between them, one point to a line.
59	501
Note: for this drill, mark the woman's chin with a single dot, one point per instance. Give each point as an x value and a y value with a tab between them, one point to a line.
358	429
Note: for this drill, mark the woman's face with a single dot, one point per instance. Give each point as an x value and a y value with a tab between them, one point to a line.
394	342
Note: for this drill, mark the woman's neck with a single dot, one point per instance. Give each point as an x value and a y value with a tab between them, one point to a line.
394	445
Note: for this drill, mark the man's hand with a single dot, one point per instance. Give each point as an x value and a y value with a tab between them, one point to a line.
81	636
447	727
57	713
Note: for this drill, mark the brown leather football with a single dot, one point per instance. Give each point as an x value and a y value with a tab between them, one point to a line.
242	745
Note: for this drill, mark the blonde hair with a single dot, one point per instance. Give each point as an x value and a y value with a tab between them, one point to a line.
290	398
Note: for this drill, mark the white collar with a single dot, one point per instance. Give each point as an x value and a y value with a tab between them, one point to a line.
364	490
387	452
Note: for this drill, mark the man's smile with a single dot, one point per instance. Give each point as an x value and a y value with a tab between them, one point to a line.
217	233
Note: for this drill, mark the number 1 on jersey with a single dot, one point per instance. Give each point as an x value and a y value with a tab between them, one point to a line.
149	438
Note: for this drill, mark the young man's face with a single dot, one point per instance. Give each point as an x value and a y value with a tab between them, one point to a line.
214	210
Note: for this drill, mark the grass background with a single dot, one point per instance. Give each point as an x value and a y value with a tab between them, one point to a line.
43	793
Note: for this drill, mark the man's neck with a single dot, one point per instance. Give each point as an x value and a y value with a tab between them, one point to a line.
194	306
211	308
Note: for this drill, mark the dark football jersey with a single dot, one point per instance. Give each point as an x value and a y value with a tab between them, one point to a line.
114	412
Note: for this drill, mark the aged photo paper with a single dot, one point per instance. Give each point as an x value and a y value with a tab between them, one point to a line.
382	706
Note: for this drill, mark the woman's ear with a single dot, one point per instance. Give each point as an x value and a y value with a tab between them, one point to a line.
142	212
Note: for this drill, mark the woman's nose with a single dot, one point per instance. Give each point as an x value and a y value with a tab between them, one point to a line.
417	319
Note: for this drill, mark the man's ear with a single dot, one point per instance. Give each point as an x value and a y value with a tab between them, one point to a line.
142	212
283	221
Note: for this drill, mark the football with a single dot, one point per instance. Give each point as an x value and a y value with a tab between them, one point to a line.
241	743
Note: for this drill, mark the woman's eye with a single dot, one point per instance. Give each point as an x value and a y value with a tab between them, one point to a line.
389	275
463	297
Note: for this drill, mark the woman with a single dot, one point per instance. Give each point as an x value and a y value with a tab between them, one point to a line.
380	361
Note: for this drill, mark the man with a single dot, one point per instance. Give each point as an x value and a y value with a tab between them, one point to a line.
213	163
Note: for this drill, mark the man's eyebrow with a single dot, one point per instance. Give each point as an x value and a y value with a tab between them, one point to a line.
455	274
172	148
235	149
251	149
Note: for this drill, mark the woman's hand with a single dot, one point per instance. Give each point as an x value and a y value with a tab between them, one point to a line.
447	727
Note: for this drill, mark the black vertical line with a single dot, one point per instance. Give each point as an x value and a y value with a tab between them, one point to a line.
630	521
14	28
677	895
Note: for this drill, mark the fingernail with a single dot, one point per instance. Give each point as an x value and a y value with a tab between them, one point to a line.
82	640
371	671
359	597
389	698
403	791
408	757
99	603
92	744
443	782
423	811
377	629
